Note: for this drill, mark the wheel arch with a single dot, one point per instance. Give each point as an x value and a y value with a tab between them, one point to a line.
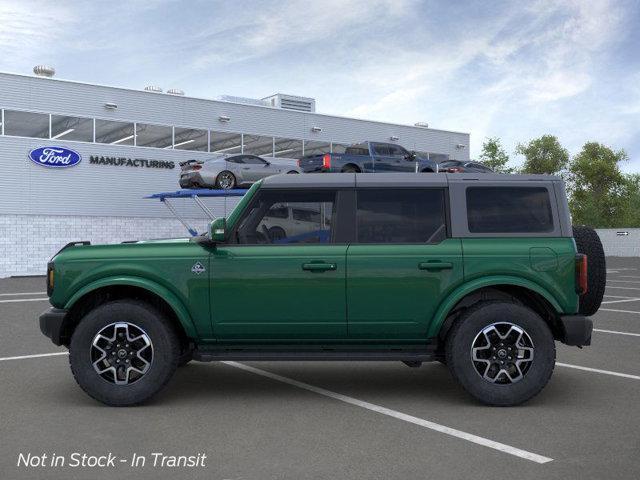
507	288
114	288
353	165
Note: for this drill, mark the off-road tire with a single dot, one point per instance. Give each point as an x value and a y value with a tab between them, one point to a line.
588	242
166	352
459	343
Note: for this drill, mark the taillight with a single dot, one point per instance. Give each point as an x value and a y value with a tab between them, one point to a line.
298	162
326	161
581	274
454	170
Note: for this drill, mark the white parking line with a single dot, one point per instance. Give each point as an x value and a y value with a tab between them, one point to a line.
15	300
622	288
616	332
629	299
597	370
623	281
22	357
619	311
21	293
485	442
628	276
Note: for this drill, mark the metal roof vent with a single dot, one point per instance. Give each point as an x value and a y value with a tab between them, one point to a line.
153	88
44	71
175	91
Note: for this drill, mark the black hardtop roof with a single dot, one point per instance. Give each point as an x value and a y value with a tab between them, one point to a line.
320	180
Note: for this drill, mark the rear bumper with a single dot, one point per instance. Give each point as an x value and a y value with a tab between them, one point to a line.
189	180
52	323
576	329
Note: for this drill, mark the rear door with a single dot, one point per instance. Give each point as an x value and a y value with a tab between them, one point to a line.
401	264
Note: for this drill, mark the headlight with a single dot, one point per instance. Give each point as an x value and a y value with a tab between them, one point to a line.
50	278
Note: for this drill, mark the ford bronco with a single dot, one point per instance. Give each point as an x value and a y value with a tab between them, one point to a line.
480	272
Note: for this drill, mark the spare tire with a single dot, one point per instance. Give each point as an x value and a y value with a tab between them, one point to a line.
588	243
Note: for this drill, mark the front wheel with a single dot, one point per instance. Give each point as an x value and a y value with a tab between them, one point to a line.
123	352
502	353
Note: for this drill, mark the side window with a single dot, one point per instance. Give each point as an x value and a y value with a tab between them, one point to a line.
253	160
381	149
509	210
267	220
401	216
397	151
235	160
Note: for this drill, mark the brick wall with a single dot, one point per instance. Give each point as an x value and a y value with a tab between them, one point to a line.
27	242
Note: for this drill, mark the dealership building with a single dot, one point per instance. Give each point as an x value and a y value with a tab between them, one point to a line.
128	144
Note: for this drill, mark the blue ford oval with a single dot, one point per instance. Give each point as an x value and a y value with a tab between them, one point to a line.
56	157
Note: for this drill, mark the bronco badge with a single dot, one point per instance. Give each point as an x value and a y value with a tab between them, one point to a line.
198	268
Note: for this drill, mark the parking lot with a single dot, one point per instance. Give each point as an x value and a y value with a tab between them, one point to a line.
360	420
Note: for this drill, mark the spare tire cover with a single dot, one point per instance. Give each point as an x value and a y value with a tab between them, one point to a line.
588	243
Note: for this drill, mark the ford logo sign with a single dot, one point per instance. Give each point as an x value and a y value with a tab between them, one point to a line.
56	157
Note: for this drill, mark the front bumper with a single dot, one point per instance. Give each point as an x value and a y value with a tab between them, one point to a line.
576	330
52	325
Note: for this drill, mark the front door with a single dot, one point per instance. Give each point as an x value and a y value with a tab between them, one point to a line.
281	278
401	264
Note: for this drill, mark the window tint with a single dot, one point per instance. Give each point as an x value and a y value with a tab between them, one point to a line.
401	216
357	151
191	139
26	124
397	151
381	149
227	143
268	222
250	159
236	159
509	210
148	135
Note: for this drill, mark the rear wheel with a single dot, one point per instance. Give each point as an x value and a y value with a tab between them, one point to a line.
225	180
588	242
123	352
502	353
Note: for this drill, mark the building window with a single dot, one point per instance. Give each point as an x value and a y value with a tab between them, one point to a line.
509	210
401	216
258	145
338	147
190	139
72	128
287	148
114	133
26	124
227	143
157	136
312	147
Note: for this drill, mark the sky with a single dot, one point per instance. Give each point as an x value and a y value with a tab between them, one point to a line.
508	69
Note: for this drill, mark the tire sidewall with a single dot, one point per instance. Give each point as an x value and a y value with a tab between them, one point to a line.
165	353
461	341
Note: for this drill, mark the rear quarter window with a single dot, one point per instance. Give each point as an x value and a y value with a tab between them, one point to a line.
509	210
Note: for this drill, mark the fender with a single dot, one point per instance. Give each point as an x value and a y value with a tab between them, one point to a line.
469	287
176	305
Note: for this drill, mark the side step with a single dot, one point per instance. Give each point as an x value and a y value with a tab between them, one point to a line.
409	356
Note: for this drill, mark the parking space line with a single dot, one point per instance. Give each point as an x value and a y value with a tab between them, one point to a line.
628	276
21	293
621	301
616	296
16	300
619	311
622	288
485	442
623	281
616	332
22	357
597	370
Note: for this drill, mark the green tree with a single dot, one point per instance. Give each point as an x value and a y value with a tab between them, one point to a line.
544	155
599	190
494	156
631	215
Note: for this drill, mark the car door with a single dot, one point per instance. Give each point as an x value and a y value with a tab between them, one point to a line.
259	168
269	286
400	159
401	264
382	160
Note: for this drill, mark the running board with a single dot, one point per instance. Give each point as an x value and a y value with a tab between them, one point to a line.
411	356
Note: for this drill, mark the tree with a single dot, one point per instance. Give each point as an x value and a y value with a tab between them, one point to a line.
631	215
544	155
494	156
599	190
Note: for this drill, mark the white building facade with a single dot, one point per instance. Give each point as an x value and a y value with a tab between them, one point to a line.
130	144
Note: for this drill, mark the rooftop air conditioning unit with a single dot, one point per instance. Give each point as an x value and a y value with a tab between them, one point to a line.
292	102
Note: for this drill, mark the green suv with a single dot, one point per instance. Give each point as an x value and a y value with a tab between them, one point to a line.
480	272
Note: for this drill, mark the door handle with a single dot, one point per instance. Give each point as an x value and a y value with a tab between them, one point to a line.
435	266
318	267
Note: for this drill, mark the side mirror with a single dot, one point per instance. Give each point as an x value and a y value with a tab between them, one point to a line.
267	164
218	230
